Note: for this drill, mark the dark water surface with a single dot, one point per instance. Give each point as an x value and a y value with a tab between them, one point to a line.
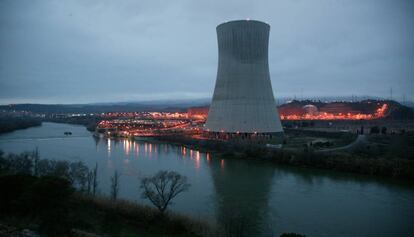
264	198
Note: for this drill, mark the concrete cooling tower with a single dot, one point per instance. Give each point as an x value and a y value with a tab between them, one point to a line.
243	99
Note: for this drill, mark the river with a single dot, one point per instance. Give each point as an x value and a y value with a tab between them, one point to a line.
266	199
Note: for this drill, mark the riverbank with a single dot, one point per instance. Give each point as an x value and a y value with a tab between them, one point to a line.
378	155
366	160
90	122
382	155
13	124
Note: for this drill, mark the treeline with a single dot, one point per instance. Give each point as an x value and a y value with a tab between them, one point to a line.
8	124
162	106
29	163
347	162
90	122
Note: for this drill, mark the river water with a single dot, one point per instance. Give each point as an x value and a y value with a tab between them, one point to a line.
262	198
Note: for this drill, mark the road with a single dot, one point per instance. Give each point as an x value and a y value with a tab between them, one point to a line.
360	140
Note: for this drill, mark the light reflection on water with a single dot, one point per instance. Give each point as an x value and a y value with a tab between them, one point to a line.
315	203
132	148
109	147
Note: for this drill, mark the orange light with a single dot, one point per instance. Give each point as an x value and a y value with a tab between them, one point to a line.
380	112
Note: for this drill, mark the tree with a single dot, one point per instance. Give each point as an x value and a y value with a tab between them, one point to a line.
292	235
43	201
95	180
375	130
19	163
61	169
161	188
35	158
115	185
89	180
79	175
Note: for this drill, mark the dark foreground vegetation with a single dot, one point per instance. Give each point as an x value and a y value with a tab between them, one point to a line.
58	198
10	124
382	155
51	206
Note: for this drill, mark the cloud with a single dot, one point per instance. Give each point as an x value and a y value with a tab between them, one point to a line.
90	51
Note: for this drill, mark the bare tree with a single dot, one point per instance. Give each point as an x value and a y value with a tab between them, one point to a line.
95	180
36	158
115	185
89	180
79	175
161	188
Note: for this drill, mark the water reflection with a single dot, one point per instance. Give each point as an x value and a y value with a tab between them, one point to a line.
136	146
184	151
242	192
312	202
132	147
250	196
109	146
197	160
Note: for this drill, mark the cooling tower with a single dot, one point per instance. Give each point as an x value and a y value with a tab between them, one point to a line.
243	99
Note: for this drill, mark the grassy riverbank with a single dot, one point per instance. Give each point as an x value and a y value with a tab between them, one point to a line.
393	159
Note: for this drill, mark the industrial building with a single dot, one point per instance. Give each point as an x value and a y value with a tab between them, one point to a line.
243	103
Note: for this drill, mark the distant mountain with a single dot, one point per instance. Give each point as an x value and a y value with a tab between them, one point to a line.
173	105
186	102
409	104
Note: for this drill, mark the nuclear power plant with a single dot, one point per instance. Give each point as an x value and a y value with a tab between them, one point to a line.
243	101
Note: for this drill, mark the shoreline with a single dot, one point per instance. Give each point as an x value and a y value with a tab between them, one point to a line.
8	126
337	161
334	161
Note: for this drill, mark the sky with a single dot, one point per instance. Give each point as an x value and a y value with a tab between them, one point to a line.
84	51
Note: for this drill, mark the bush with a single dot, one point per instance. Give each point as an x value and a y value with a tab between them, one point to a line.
292	235
374	130
13	186
44	201
29	163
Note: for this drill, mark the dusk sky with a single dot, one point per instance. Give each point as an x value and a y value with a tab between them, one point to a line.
84	51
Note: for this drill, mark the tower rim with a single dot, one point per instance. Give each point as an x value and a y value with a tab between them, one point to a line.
241	21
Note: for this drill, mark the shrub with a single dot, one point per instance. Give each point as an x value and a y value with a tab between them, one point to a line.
292	235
